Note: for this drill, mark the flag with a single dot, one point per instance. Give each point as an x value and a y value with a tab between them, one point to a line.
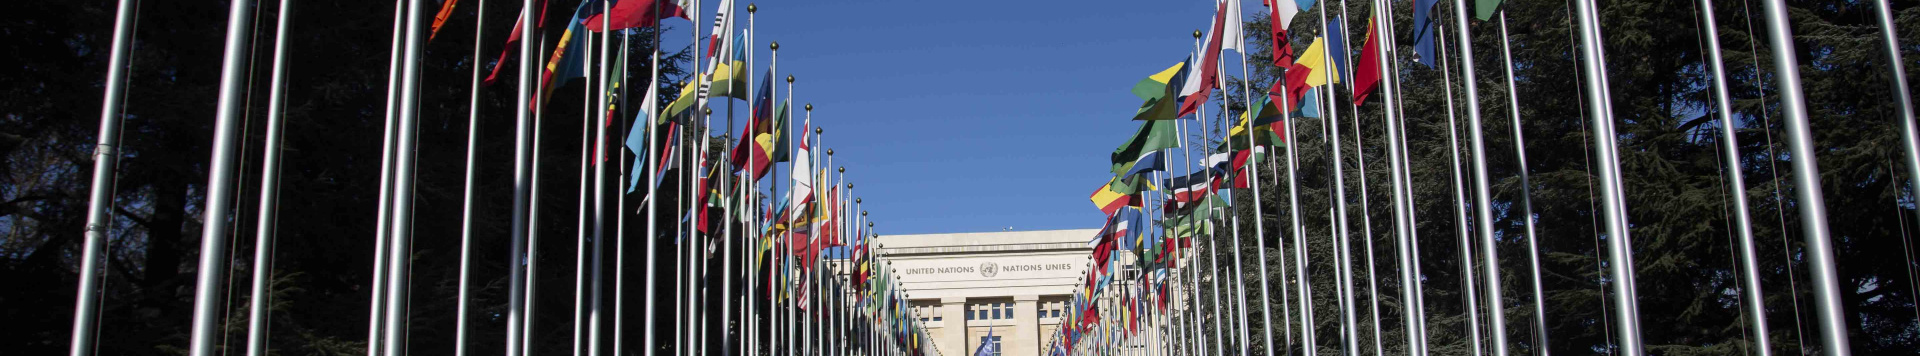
783	142
1280	16
1367	77
566	64
987	348
1230	37
1483	9
1150	162
1160	94
627	14
446	10
637	139
1315	58
730	75
1152	136
755	128
515	37
1109	201
1196	90
722	26
1422	36
1189	188
1309	106
802	191
688	96
1337	49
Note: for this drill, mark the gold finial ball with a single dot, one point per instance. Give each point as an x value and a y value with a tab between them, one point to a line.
789	76
818	130
751	8
708	111
842	169
1196	33
775	45
809	106
830	153
869	223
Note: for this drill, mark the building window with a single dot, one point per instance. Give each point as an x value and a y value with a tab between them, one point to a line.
1008	309
992	344
970	314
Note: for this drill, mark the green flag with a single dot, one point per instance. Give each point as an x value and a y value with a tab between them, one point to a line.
1152	136
781	143
1483	9
1160	94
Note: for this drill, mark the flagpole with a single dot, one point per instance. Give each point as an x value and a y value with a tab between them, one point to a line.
1730	147
399	271
1470	294
466	209
533	216
1482	194
517	276
1613	200
1806	173
377	300
258	313
1398	168
1206	146
652	200
620	205
1366	208
580	226
106	161
1259	223
1305	289
1412	236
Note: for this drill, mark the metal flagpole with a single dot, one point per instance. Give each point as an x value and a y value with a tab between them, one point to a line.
533	218
1240	308
466	206
1910	141
1342	241
1526	189
1806	175
620	204
652	200
1469	293
1756	307
1400	172
399	271
258	311
1299	247
377	304
580	226
522	173
596	320
1366	208
1619	248
106	161
1482	193
220	185
1398	107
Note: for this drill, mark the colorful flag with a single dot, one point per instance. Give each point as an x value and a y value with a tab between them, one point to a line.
1280	15
1201	82
1423	32
1150	162
1160	93
755	128
637	139
566	64
802	172
1367	77
730	75
1337	49
1108	200
627	14
1315	58
1152	136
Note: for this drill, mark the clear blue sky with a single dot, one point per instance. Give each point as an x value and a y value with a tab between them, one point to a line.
972	116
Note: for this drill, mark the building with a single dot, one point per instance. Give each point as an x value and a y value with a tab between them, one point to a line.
1005	287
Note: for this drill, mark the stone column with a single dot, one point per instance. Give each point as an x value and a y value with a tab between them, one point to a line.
953	334
1025	338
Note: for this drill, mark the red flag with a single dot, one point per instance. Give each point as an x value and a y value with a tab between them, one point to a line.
514	37
1209	65
1368	76
1294	85
440	19
636	13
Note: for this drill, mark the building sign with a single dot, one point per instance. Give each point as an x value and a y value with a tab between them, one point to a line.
988	269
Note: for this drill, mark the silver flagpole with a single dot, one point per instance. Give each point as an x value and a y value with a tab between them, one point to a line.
377	301
258	310
106	161
1399	171
1366	208
1469	293
1482	193
1299	246
399	271
1737	186
652	200
522	173
620	204
1398	107
597	320
1909	139
1806	176
220	185
533	218
1342	241
466	205
580	226
1526	188
1619	248
1206	145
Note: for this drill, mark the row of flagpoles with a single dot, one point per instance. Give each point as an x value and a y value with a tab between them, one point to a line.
1150	227
784	236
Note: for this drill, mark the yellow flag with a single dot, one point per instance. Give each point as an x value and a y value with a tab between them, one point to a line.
1315	58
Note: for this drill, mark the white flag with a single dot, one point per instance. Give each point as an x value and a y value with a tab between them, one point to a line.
1230	31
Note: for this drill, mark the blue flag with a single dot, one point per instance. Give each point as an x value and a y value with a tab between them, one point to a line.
1337	48
1422	34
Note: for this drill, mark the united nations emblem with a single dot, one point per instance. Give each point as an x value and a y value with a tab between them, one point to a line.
989	269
